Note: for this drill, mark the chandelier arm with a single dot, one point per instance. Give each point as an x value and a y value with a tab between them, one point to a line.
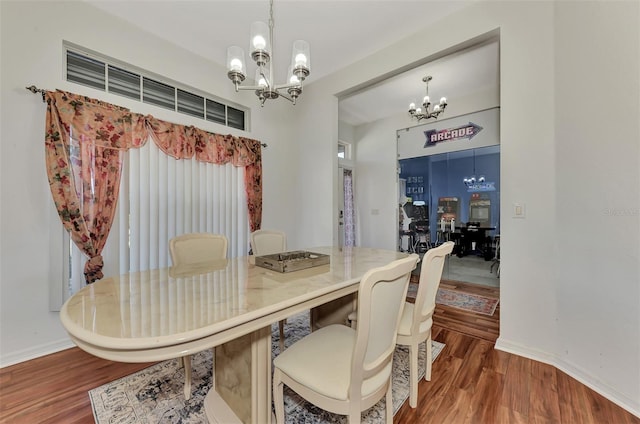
285	96
269	84
290	85
250	87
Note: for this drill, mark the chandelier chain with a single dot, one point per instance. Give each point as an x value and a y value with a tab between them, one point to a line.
271	17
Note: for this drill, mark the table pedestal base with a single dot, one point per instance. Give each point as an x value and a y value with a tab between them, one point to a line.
334	312
242	374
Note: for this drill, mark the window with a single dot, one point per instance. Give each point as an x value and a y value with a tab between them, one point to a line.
190	104
344	150
84	70
160	198
96	71
124	83
158	94
216	112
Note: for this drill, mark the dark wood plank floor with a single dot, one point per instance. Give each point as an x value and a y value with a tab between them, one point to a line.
476	325
471	383
54	388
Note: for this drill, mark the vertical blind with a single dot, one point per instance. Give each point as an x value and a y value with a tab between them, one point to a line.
160	198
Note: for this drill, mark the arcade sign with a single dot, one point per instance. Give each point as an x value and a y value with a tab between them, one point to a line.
465	131
485	186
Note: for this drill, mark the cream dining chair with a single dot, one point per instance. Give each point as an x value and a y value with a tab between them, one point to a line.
344	370
417	318
268	242
192	249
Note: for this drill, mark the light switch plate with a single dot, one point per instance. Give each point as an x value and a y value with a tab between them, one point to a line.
519	210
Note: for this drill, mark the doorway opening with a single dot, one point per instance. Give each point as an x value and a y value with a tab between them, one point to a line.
454	196
346	214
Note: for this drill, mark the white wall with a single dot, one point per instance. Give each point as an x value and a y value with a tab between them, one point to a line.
597	205
32	35
555	306
346	132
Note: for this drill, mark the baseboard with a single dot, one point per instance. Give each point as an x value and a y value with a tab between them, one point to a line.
580	374
35	352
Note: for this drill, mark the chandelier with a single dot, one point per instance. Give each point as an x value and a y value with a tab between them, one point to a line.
472	180
427	113
261	45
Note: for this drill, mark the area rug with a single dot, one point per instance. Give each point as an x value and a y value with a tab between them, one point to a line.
460	300
154	395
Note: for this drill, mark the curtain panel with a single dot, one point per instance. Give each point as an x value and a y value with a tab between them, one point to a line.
84	141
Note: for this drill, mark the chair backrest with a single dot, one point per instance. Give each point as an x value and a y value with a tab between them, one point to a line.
430	275
267	242
381	295
197	247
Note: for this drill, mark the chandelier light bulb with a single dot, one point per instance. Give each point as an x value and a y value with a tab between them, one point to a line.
294	79
418	111
301	59
235	65
262	82
259	43
443	100
412	106
426	100
436	108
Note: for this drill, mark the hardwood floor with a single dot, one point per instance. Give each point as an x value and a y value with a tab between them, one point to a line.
473	324
472	383
54	388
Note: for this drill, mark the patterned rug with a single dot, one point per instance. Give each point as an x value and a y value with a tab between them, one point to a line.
154	395
460	300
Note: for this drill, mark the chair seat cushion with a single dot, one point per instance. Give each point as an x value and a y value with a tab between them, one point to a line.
404	328
321	361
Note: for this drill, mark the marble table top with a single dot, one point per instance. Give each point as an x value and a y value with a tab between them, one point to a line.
173	306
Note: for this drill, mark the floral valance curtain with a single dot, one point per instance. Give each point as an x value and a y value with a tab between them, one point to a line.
85	139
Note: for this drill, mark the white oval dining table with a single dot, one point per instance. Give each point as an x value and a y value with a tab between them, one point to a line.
227	304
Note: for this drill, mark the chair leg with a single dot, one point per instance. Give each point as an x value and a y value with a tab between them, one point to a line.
281	328
278	396
413	375
427	358
186	360
389	402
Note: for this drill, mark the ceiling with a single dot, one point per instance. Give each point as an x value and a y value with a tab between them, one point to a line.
339	32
